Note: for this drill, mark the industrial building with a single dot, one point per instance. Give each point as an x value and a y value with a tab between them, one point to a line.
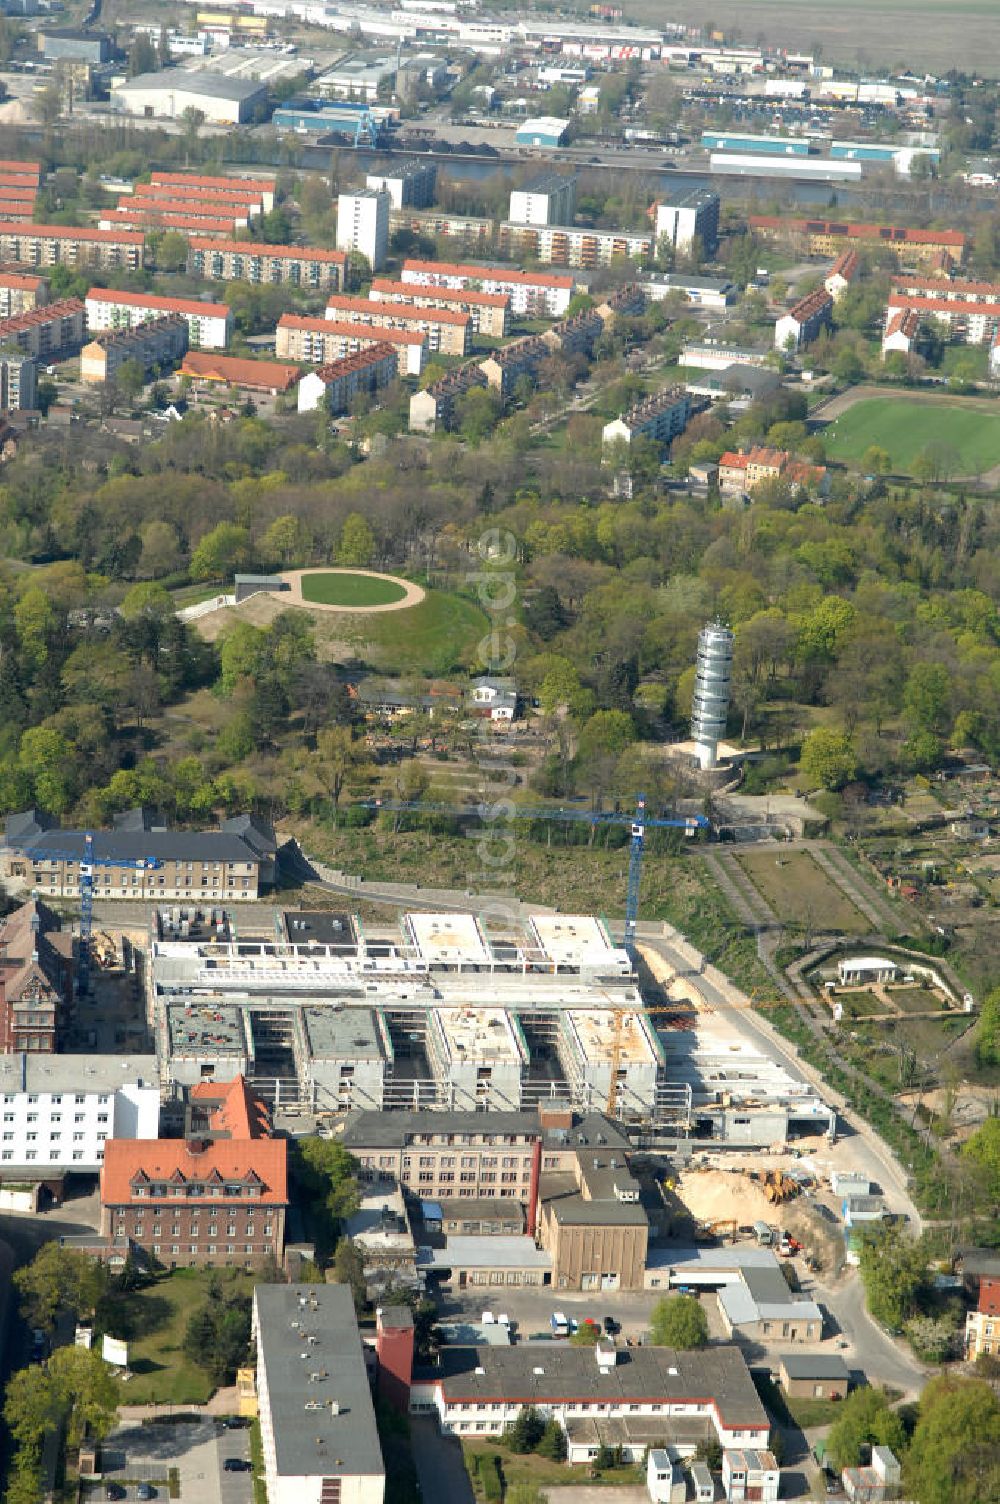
687	220
317	1419
702	292
166	95
572	245
251	261
363	225
544	130
448	330
488	311
411	185
548	200
210	325
532	294
154	346
64	44
322	341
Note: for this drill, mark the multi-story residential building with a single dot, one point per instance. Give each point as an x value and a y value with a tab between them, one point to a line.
982	1325
969	312
317	1420
472	232
37	969
251	261
363	224
13	171
137	860
573	245
411	185
17	206
216	1198
154	346
689	218
531	294
546	200
60	1111
801	324
506	367
321	342
60	245
334	386
577	335
828	237
845	270
448	330
434	407
901	331
250	195
186	214
19	291
195	183
268	377
177	220
55	329
17	380
741	472
660	417
489	311
626	302
210	325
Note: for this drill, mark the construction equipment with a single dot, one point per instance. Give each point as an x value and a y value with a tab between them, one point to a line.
724	1229
104	949
639	823
778	1187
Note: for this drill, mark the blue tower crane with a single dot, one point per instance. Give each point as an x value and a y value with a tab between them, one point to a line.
638	823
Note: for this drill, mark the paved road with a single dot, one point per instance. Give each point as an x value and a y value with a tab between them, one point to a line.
869	1348
440	1467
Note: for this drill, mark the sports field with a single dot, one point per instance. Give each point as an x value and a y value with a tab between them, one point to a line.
339	589
903	428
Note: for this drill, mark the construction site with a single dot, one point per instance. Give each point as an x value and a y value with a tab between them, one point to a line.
441	1012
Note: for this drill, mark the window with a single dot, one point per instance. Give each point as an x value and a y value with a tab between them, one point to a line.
7	1154
77	1153
7	1137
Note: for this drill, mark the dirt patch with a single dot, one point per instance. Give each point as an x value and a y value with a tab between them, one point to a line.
819	1237
261	610
725	1196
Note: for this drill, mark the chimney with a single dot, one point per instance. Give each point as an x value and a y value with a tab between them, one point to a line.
533	1191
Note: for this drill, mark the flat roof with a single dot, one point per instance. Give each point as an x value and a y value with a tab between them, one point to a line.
87	1073
448	937
195	81
488	1252
305	926
478	1034
596	1030
309	1439
351	1034
205	1028
571	937
394	1129
814	1366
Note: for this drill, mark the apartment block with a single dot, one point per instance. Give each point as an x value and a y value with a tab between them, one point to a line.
802	323
531	294
60	1113
20	292
488	311
322	341
505	368
216	1198
145	213
60	245
968	321
154	346
471	232
411	185
37	971
448	330
210	325
433	409
363	225
249	196
251	261
195	183
179	221
628	302
660	417
576	336
547	200
844	271
136	860
17	380
572	245
828	237
55	329
336	385
689	218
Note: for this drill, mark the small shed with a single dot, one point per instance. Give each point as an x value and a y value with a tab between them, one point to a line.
814	1376
858	971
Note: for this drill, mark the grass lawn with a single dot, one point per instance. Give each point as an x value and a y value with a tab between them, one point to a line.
916	1000
153	1321
859	1004
333	588
541	1472
800	892
433	637
903	428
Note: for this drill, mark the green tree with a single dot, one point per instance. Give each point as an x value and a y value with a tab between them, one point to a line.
86	1391
607	732
217	1336
827	758
327	1175
50	759
927	698
524	1433
221	552
864	1419
876	460
146	599
893	1269
679	1321
34	622
587	1334
161	551
988	1033
171	252
357	542
954	1453
349	1269
983	1148
30	1408
338	760
552	1444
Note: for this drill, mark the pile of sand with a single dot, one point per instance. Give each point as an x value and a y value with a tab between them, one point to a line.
724	1195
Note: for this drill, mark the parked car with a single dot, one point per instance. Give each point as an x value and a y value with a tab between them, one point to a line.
237	1465
114	1491
145	1491
236	1422
611	1326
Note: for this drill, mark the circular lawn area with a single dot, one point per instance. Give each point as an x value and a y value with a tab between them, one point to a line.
345	588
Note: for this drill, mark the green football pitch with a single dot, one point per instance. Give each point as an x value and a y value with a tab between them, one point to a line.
904	428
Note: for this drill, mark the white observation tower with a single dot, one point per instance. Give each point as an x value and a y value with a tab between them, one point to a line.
710	700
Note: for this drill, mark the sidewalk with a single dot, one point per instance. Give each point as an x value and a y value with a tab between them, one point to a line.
223	1402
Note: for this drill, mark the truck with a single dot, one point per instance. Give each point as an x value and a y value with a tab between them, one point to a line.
559	1324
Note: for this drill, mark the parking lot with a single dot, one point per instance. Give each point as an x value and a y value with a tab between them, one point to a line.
137	1455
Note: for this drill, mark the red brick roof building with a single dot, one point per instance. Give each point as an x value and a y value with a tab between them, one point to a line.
36	979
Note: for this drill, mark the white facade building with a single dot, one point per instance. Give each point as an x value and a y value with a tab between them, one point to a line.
550	200
166	95
363	224
210	325
58	1111
694	216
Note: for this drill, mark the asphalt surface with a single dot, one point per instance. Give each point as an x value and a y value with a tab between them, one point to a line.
440	1466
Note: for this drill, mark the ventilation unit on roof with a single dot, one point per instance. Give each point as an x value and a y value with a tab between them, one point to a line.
538	1372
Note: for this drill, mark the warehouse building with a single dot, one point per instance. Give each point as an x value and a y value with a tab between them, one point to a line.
59	245
166	95
322	341
259	264
64	44
488	311
210	325
542	130
447	330
154	346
